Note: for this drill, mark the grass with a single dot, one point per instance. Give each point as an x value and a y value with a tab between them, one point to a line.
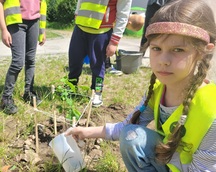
108	162
60	26
126	90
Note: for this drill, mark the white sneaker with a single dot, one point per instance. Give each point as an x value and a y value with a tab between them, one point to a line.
97	100
114	71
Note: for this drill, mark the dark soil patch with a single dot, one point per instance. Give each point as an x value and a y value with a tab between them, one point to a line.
45	159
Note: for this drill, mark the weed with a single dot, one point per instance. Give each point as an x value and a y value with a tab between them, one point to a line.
69	94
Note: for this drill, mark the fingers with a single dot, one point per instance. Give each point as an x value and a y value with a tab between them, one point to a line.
41	43
8	42
109	54
75	134
69	131
6	38
111	49
43	40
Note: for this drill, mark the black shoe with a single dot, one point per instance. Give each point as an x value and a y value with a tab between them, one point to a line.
8	106
28	98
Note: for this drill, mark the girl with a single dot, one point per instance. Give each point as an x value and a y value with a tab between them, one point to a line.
173	128
22	25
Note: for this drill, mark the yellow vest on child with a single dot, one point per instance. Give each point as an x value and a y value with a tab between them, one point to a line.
201	115
91	13
13	15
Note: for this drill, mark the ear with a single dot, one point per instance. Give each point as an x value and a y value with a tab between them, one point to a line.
209	47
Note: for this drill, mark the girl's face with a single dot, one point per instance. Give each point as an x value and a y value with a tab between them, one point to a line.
172	59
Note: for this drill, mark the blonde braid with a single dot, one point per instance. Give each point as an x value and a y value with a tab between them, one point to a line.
164	152
197	81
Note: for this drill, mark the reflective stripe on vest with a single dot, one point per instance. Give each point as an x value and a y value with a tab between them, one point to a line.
201	116
12	12
13	15
91	13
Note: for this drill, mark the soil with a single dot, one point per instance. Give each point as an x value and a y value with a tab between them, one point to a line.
45	160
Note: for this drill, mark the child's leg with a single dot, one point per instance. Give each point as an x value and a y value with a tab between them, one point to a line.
97	54
31	47
77	52
137	145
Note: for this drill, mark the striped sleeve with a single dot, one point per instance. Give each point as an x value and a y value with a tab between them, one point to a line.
204	159
115	39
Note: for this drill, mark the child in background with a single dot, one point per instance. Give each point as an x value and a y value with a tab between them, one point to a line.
96	35
135	22
22	24
174	126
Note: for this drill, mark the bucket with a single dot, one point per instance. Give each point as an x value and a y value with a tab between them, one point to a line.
128	61
67	152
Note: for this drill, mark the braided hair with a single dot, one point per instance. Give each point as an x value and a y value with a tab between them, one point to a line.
197	13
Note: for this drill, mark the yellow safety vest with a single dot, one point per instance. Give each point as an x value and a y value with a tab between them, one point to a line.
13	15
91	13
200	118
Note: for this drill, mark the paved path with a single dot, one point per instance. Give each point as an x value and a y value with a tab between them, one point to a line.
61	44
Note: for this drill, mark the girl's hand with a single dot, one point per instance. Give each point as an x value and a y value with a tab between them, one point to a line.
78	133
44	39
6	38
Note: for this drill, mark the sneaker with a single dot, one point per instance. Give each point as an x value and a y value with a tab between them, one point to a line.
28	98
8	106
97	100
114	71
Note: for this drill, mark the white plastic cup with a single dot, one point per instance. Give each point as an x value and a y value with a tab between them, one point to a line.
68	153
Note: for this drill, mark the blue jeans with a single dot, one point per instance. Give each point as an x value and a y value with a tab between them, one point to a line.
137	146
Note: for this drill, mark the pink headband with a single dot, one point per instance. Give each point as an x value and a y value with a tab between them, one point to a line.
178	28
